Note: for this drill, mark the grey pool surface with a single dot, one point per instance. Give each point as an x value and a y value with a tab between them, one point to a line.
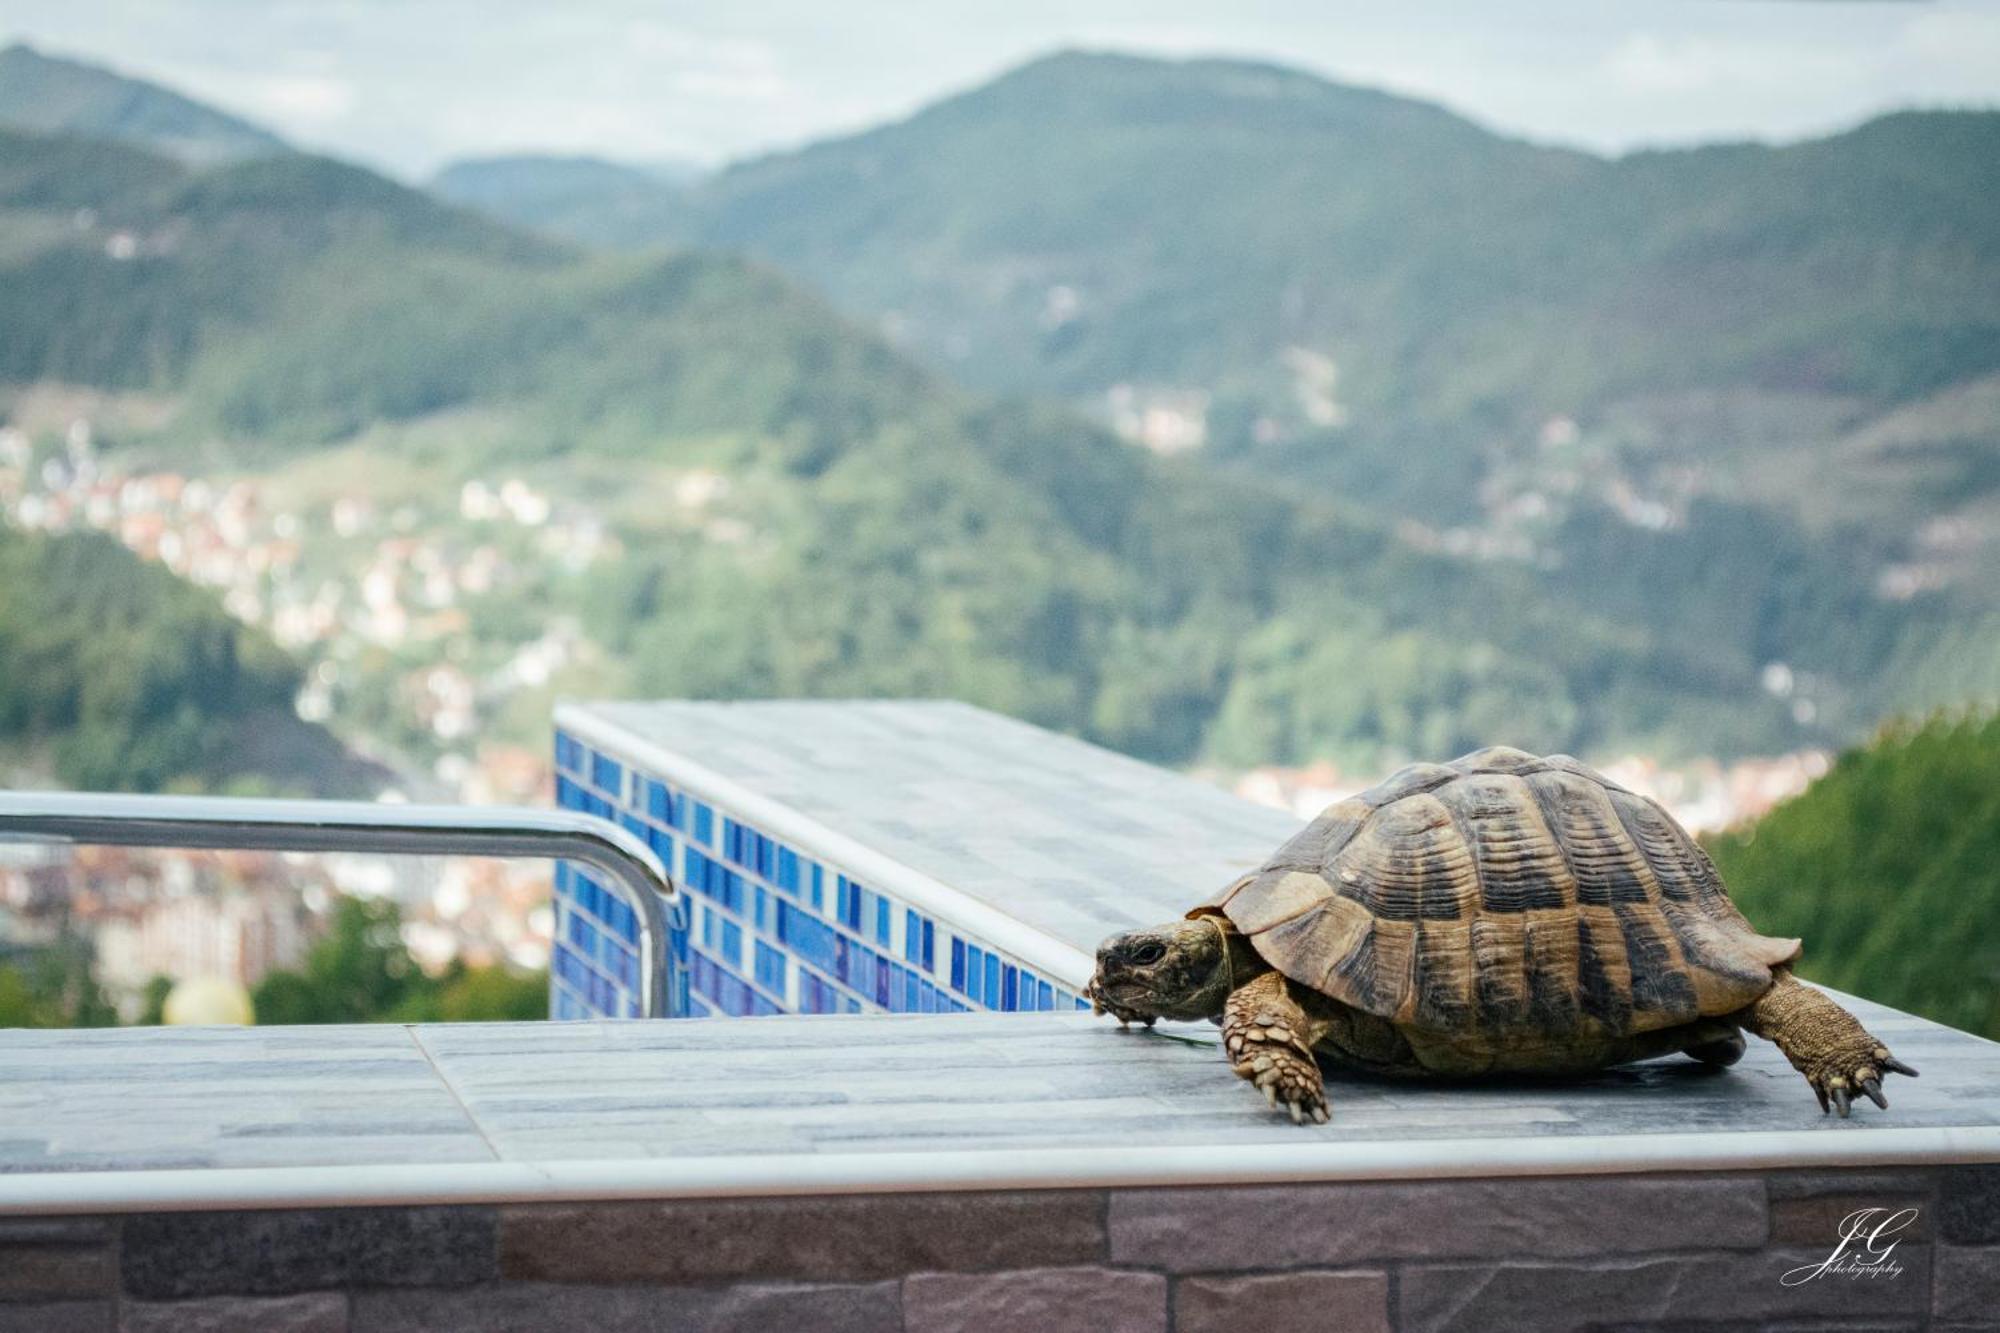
797	1087
1070	839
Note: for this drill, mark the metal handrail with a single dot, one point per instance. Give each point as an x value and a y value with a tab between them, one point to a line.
229	823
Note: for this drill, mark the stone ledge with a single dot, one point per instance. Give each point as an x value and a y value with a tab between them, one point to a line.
172	1255
1742	1288
1189	1230
537	1307
1047	1300
1965	1283
57	1317
1969	1205
313	1312
1598	1252
54	1272
1355	1302
815	1237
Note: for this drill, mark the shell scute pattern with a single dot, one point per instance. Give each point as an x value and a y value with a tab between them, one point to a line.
1502	894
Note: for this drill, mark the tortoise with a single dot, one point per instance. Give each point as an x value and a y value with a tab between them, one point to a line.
1499	914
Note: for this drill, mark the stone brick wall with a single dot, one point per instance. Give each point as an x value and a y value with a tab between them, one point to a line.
1627	1252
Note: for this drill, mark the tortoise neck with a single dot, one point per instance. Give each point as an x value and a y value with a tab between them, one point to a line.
1241	961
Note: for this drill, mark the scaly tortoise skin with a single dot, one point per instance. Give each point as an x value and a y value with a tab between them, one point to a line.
1502	913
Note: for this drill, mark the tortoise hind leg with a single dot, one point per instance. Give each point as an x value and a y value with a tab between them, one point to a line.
1824	1042
1718	1048
1269	1038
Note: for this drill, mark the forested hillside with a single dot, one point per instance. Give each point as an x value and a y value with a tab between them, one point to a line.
1749	396
586	199
115	675
1889	867
870	530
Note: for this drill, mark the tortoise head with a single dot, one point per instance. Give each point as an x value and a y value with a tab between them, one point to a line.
1178	970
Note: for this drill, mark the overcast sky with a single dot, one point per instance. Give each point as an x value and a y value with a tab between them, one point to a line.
409	84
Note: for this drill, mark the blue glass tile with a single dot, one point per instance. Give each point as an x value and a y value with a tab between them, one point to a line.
807	936
788	870
1043	999
605	773
992	981
818	899
732	943
1010	994
975	970
770	969
913	937
958	964
882	921
657	804
930	945
704	823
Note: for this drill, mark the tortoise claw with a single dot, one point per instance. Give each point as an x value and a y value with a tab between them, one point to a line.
1820	1093
1891	1062
1873	1087
1841	1099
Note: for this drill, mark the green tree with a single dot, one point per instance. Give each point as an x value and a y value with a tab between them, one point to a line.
153	1010
1889	868
53	988
361	972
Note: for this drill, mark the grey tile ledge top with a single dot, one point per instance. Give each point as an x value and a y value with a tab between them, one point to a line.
129	1119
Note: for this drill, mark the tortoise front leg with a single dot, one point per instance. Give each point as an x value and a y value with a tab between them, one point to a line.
1269	1039
1824	1042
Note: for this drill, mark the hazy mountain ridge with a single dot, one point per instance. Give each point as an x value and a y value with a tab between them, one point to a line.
586	199
51	95
1345	288
882	532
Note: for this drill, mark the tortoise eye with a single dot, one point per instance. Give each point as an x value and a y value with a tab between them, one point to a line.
1149	953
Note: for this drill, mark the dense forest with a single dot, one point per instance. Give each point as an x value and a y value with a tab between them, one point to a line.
124	678
883	533
1889	868
1740	394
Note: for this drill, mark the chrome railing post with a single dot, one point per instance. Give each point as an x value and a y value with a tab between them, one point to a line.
227	823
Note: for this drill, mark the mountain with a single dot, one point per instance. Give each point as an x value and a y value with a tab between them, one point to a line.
587	199
1889	867
50	95
1359	290
792	506
120	677
1634	377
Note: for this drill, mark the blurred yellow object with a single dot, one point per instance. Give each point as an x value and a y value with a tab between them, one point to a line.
207	1001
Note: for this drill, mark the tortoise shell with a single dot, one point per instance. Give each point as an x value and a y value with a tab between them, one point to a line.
1505	894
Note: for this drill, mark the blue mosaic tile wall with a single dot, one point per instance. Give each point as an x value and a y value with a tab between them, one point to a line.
770	930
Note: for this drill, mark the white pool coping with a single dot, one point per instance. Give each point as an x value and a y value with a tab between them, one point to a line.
177	1190
1051	957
